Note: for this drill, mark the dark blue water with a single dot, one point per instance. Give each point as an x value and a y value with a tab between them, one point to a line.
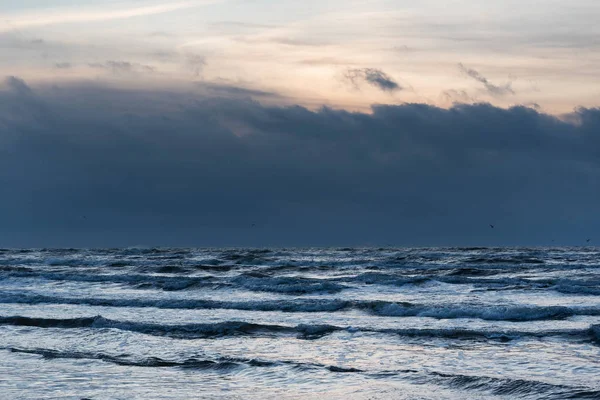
300	323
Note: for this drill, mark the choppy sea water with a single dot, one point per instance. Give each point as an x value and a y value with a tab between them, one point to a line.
440	323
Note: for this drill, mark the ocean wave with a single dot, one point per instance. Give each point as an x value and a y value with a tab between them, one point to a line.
513	388
595	333
493	335
297	305
578	289
489	313
508	387
287	284
261	281
167	283
220	363
150	362
302	331
515	313
187	331
516	260
284	285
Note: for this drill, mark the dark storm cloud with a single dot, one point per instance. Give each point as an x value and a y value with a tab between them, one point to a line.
492	89
86	165
374	77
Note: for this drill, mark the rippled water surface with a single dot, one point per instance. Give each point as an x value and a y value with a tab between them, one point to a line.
441	323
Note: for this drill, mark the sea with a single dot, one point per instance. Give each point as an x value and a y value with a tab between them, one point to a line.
312	323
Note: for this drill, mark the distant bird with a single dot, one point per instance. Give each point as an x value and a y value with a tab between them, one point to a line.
253	225
587	241
491	226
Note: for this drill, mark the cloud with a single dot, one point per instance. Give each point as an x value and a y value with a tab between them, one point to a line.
63	65
489	87
17	41
404	49
234	91
121	67
164	55
160	34
195	63
325	61
173	168
241	24
374	77
289	41
82	14
18	85
456	96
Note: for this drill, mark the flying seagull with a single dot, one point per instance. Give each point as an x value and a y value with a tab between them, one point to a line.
587	241
491	226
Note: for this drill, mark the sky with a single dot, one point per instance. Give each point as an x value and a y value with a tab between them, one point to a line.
286	123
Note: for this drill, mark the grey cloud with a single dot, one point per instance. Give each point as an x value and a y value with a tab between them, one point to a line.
489	87
19	42
374	77
120	67
234	91
195	63
457	96
533	105
240	29
63	65
239	24
287	41
18	85
301	42
161	34
404	49
165	55
325	61
170	168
